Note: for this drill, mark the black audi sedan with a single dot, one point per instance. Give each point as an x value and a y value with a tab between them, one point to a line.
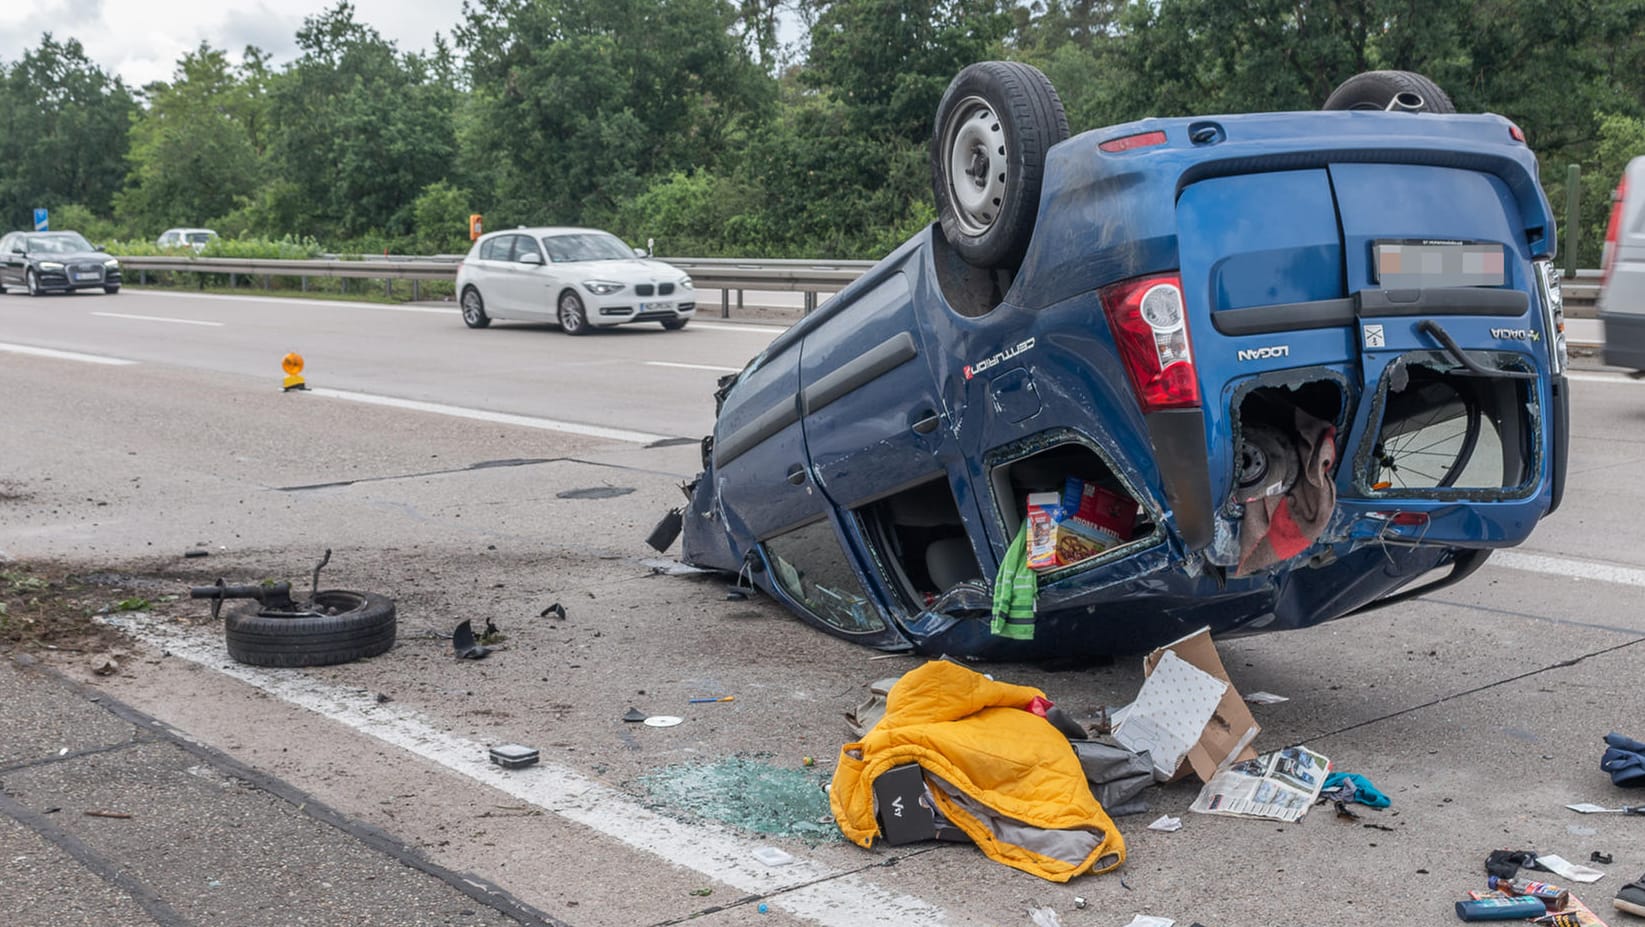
55	262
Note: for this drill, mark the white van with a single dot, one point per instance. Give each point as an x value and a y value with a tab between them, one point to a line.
1622	290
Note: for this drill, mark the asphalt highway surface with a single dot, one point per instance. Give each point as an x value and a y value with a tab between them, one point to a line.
486	475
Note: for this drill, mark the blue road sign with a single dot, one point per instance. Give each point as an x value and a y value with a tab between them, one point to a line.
40	223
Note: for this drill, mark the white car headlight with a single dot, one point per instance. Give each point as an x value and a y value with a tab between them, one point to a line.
685	283
112	264
52	266
602	287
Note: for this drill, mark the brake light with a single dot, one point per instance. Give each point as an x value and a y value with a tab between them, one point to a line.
1612	229
1516	133
1129	142
1150	325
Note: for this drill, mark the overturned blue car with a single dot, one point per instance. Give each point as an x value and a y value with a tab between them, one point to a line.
1250	372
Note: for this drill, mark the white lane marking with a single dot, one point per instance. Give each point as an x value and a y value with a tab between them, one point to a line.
772	330
156	318
66	355
1602	378
501	418
835	899
693	366
1562	566
317	303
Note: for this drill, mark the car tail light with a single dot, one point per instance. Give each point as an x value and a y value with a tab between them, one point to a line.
1150	324
1129	142
1613	229
1552	295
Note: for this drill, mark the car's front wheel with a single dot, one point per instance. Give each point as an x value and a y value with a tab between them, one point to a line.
675	325
573	317
111	290
474	309
31	282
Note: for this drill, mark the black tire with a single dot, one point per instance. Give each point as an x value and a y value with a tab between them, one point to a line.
111	290
32	283
994	125
474	309
573	317
362	627
675	325
1377	90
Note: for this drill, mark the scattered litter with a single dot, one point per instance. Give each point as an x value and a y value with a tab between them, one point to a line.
63	752
1507	863
383	697
1187	715
634	716
1080	902
1604	859
514	756
1346	787
105	665
194	552
594	492
1044	917
1280	785
663	721
735	595
662	567
749	793
1346	813
1266	698
1117	776
1590	808
1148	920
464	644
556	610
1624	759
702	892
108	814
711	699
771	856
1576	872
1166	823
763	908
807	761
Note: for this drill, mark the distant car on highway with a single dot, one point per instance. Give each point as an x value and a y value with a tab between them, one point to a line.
186	238
1622	288
578	278
47	262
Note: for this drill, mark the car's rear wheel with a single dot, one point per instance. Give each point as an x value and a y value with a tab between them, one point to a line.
474	309
994	125
1397	91
675	325
573	318
31	282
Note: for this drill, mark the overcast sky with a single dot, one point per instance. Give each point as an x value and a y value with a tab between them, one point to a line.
141	40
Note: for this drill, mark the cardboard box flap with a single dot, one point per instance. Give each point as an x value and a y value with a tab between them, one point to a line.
1228	735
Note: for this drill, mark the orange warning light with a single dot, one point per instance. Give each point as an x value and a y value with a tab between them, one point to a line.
292	364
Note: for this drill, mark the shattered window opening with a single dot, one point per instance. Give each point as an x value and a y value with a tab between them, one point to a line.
826	586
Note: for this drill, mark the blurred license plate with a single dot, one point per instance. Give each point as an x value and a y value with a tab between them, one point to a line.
657	307
90	276
1419	263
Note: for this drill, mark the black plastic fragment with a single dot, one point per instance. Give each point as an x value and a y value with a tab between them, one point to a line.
556	610
635	716
464	644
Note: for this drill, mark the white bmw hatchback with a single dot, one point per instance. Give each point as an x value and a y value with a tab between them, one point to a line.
580	279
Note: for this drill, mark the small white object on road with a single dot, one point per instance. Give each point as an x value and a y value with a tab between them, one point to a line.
1564	868
1166	823
663	720
1266	698
1149	920
772	856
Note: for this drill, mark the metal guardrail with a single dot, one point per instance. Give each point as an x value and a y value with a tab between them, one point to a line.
728	275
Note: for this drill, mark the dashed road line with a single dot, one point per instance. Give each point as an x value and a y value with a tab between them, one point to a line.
805	888
156	318
693	366
1568	567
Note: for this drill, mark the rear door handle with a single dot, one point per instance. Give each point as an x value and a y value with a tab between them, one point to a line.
927	423
796	474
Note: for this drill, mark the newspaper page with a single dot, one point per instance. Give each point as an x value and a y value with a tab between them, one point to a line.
1281	785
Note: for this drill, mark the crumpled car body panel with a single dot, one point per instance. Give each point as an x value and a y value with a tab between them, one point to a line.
1376	271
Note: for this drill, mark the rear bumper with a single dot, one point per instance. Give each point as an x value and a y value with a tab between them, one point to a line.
1624	339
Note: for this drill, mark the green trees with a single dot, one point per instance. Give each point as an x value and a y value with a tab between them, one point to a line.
776	128
63	132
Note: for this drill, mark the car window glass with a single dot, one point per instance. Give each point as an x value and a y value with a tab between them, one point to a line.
489	250
58	243
586	246
809	564
199	238
524	245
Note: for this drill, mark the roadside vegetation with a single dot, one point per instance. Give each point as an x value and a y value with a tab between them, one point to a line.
691	122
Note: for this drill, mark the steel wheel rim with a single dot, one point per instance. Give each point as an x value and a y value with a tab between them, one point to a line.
976	155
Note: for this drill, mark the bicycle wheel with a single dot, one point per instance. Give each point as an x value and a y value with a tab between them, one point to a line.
1429	433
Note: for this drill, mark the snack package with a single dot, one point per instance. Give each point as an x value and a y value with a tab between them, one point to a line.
1044	511
1113	513
1078	539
